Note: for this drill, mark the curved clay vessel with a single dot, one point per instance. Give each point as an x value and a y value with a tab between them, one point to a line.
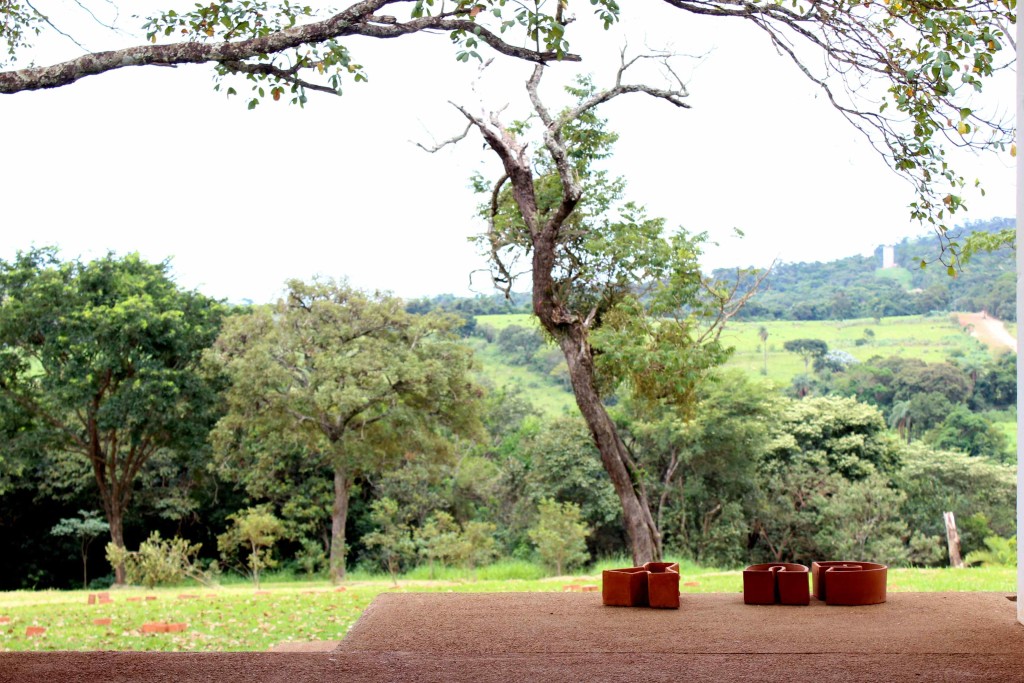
780	582
656	584
849	583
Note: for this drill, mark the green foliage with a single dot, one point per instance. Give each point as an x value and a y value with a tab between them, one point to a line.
392	538
347	381
102	360
862	521
970	433
808	349
559	535
477	545
940	481
253	531
86	527
833	434
310	556
999	552
437	539
160	561
810	291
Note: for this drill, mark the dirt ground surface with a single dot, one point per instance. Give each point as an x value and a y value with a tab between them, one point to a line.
572	637
989	331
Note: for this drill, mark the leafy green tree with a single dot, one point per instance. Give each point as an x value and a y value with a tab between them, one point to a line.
789	511
102	362
254	530
87	526
624	302
392	537
932	378
477	545
940	481
519	343
833	434
559	535
437	539
808	349
702	472
861	521
970	433
351	378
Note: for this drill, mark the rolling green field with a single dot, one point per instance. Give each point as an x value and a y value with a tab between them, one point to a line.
930	338
240	618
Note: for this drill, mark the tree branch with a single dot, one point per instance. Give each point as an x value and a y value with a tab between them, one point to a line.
357	20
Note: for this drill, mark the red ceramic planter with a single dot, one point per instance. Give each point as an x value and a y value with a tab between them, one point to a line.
779	583
849	583
656	584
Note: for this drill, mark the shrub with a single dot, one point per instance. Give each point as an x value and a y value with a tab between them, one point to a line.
161	561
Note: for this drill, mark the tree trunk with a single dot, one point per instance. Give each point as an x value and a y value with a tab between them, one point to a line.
115	519
339	517
953	540
644	538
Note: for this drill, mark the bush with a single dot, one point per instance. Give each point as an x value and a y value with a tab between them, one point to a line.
160	561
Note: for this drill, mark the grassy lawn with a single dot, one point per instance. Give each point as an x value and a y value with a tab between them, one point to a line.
930	338
237	617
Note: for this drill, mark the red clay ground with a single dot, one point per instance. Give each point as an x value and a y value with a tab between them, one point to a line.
989	331
572	637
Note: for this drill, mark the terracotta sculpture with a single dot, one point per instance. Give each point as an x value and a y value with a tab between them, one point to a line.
778	583
656	584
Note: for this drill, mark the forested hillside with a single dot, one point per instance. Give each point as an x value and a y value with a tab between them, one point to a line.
858	286
443	432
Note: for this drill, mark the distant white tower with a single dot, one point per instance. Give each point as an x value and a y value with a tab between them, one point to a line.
888	257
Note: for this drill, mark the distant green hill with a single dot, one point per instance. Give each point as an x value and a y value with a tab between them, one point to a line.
858	287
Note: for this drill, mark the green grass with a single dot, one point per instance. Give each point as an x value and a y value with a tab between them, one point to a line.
932	339
900	275
237	618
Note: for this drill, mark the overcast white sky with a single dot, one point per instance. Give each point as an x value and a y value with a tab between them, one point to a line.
153	160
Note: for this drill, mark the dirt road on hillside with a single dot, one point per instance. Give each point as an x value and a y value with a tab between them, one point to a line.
989	331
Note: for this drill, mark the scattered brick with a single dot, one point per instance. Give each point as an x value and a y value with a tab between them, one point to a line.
105	621
340	589
33	631
176	628
154	627
150	597
92	599
5	620
572	588
188	596
692	583
590	589
103	597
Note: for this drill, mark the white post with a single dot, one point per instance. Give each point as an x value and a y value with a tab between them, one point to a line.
1020	318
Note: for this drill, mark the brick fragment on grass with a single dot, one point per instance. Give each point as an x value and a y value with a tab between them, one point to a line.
150	597
163	627
340	589
91	599
104	621
589	589
572	588
5	620
135	599
33	631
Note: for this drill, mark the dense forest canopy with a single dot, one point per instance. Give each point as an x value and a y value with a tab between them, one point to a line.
757	472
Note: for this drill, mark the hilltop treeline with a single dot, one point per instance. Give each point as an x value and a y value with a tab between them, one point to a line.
858	287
